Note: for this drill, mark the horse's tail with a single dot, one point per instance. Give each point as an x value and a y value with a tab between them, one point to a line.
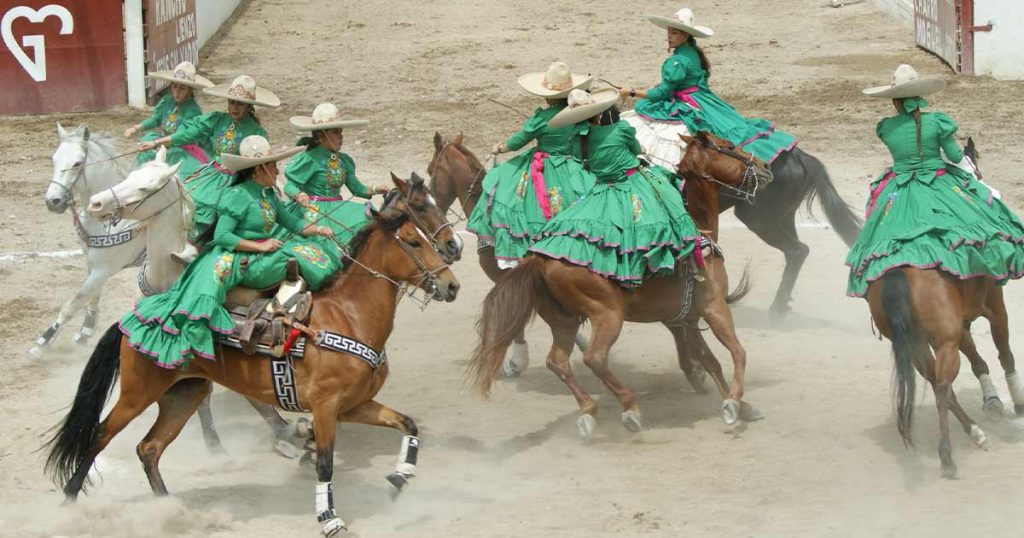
742	289
906	342
74	441
507	309
845	222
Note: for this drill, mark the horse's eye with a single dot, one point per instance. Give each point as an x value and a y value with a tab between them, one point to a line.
419	207
415	243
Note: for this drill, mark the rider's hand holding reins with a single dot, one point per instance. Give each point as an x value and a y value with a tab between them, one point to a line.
322	231
302	199
152	144
265	246
130	132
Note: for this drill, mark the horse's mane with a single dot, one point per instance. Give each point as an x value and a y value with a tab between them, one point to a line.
356	244
107	147
471	157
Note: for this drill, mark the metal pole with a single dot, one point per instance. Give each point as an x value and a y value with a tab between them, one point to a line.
135	60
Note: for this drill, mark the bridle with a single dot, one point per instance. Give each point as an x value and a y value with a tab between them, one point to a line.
747	190
68	193
119	207
418	221
476	183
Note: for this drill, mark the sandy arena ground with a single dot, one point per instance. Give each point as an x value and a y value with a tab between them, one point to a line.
827	461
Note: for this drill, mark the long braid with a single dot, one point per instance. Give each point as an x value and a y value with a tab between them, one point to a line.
705	64
252	113
917	121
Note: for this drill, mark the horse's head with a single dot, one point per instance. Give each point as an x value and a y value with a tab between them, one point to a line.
454	172
414	198
718	160
72	151
411	257
971	151
141	194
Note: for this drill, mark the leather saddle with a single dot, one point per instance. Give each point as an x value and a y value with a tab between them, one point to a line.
261	316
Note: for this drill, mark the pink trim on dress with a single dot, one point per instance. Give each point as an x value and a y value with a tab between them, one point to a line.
631	171
196	152
878	190
327	198
540	189
222	169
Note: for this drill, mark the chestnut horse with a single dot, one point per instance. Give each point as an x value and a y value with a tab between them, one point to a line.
359	303
565	294
927	315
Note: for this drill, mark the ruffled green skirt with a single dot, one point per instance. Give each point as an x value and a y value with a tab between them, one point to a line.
950	222
625	230
512	209
174	327
205	187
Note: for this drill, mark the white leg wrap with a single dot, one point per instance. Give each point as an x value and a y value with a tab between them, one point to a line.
324	501
988	388
406	465
1016	386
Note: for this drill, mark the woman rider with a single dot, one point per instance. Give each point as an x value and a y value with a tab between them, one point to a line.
175	107
683	99
315	176
632	224
924	211
219	133
176	326
523	193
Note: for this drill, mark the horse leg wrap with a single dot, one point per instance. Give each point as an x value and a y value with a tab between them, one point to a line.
89	324
48	335
988	388
406	465
325	502
1016	386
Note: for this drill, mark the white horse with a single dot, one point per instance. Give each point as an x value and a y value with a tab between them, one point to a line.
83	165
155	197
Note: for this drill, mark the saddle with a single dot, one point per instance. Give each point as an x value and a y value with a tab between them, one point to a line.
262	319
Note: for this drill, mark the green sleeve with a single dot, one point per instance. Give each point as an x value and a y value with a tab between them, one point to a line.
230	213
947	130
673	72
158	113
531	129
357	187
300	170
198	129
290	221
629	134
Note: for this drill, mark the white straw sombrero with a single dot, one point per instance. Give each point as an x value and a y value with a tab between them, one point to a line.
245	90
255	150
583	106
555	83
184	74
325	116
905	83
682	20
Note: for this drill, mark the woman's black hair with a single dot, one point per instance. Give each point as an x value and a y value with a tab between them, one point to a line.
311	141
252	112
243	175
704	63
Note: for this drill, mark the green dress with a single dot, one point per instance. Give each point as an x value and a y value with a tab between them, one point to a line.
524	192
166	118
216	133
321	173
632	224
175	326
926	213
684	96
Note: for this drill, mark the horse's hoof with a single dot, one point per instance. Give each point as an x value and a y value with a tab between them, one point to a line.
993	407
698	380
586	425
81	338
287	449
749	414
781	308
333	526
397	481
516	363
949	471
35	352
582	342
631	420
730	411
978	437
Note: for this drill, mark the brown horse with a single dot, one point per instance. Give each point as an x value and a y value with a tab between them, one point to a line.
565	294
456	173
359	304
927	315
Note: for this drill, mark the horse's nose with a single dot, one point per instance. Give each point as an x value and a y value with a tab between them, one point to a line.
55	204
454	248
453	291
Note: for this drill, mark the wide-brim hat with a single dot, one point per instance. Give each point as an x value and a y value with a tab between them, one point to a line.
184	74
555	83
683	21
583	106
255	150
325	116
905	83
245	90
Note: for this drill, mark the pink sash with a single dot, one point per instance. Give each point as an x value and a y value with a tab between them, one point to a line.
684	96
197	152
327	198
875	193
540	189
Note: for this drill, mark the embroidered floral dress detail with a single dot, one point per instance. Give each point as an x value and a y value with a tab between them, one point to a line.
313	254
267	210
228	141
638	208
524	182
170	123
222	267
335	172
555	199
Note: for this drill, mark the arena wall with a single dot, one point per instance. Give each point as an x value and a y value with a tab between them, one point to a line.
211	14
901	10
999	53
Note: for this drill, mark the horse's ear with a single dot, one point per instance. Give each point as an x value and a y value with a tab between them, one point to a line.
702	136
438	141
458	139
161	154
85	133
970	145
62	133
174	169
687	139
416	180
401	184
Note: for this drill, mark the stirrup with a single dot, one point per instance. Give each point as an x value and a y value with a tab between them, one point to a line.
292	286
187	255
